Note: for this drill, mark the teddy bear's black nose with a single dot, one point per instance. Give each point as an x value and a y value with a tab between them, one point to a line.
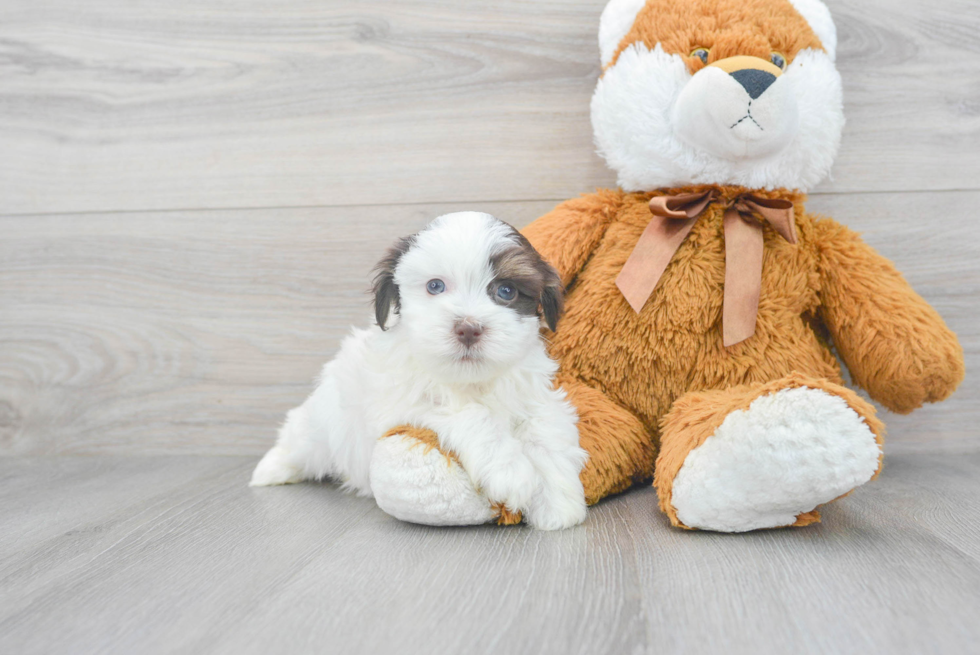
754	81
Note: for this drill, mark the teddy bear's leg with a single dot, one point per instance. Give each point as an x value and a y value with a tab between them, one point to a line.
764	456
621	450
414	480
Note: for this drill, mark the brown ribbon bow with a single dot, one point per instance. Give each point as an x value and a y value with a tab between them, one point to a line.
673	218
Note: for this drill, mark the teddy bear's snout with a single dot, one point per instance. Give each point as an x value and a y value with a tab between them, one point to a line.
754	74
754	81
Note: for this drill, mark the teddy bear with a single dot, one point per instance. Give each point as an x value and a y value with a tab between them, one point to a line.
706	308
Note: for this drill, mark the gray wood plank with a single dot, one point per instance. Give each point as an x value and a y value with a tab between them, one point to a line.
870	579
195	331
68	494
107	105
474	590
178	328
211	566
177	557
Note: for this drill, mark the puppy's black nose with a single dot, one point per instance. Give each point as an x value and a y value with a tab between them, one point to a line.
468	332
754	81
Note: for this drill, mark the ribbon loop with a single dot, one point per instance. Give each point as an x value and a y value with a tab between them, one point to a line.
683	205
778	213
674	217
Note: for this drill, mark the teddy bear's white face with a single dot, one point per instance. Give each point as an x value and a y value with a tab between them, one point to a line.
696	92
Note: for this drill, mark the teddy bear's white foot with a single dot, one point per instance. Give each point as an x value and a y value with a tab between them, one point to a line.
416	482
767	465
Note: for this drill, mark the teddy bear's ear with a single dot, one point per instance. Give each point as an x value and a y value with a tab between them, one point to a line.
818	16
614	24
385	289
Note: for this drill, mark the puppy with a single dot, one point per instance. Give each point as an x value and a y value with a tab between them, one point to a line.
456	349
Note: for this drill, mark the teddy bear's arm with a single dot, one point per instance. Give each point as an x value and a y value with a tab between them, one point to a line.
896	346
567	235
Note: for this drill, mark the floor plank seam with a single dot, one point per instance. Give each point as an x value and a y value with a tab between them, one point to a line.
423	203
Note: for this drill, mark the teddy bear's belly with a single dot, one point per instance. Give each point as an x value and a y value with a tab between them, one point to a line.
674	345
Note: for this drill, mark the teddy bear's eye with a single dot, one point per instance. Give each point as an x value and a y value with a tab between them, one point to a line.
700	53
778	60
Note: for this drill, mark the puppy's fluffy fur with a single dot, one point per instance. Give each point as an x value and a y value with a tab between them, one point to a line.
456	349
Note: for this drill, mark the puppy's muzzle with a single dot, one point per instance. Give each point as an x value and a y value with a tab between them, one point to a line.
468	331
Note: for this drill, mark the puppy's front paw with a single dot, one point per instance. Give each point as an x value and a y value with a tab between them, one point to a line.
512	483
552	510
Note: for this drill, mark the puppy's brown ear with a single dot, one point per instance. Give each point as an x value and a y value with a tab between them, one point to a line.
385	290
552	298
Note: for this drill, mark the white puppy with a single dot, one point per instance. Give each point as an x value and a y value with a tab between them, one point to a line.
462	356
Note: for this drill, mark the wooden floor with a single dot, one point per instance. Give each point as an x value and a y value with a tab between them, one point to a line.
168	554
192	194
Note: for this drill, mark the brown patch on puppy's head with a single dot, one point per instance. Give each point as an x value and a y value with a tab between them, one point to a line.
385	289
537	283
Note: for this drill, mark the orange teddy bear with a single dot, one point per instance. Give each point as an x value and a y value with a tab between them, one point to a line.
703	301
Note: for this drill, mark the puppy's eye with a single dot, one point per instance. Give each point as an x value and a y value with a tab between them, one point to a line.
435	287
506	292
778	60
701	53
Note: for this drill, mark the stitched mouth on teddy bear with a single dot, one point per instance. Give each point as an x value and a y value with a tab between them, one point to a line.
748	117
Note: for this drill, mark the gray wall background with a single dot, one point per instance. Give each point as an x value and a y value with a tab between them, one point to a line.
192	194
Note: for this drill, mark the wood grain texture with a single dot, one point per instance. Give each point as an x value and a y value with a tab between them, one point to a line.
149	305
108	105
176	554
194	332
